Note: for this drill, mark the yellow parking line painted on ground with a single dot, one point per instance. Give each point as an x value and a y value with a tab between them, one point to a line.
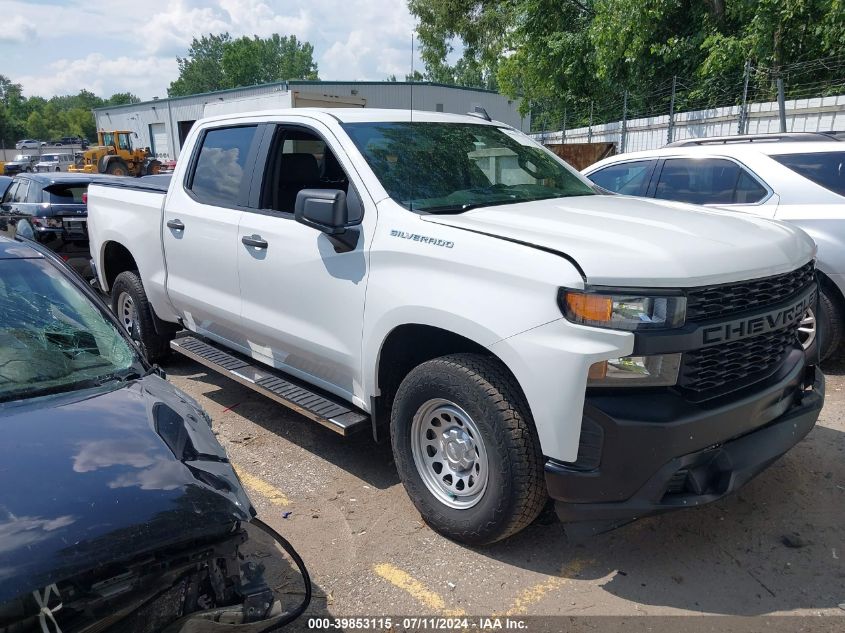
534	594
266	490
413	587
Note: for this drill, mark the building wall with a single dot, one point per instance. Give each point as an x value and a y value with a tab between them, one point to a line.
821	114
432	97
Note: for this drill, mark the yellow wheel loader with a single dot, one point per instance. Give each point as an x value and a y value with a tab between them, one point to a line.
115	155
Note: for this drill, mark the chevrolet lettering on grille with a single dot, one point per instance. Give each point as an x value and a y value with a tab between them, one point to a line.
758	324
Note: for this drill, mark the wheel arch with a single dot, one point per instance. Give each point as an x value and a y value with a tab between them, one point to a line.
116	259
410	344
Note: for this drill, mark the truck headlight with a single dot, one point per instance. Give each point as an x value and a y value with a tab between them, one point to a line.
623	312
659	370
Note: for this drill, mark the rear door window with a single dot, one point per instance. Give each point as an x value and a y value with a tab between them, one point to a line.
65	194
826	169
19	194
630	179
707	181
220	170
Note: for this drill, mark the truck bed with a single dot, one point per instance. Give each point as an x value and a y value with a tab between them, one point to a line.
129	212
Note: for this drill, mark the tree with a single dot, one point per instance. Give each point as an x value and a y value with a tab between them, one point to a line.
202	69
47	119
217	62
568	54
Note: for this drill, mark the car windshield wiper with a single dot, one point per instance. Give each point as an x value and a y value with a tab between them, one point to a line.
467	206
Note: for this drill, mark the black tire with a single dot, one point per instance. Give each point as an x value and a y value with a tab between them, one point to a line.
515	492
117	168
152	168
830	324
154	346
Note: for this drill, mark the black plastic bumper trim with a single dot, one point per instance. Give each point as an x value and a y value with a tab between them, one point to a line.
640	458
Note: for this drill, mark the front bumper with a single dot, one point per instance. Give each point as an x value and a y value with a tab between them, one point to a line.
648	453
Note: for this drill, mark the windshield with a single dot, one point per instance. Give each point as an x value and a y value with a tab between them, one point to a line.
21	157
453	167
52	338
823	168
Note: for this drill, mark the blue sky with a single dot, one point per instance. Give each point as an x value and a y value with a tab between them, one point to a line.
62	46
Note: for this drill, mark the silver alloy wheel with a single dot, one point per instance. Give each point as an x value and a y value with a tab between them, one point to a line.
807	329
126	311
449	453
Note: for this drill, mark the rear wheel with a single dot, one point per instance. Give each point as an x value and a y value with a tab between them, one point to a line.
133	310
153	168
466	448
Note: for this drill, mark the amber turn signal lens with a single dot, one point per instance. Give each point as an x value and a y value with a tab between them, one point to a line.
589	307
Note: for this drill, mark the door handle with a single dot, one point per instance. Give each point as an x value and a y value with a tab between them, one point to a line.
254	240
176	225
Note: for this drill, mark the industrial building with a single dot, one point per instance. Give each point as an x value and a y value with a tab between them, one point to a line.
163	124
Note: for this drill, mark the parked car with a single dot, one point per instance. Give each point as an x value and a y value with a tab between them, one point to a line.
29	143
50	209
72	141
453	285
121	511
54	162
5	183
19	164
802	183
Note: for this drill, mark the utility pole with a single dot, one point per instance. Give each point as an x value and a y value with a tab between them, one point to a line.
624	122
590	125
671	131
742	128
781	105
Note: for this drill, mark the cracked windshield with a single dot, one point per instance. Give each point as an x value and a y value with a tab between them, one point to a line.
52	338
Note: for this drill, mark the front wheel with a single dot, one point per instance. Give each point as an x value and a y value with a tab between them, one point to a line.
133	310
466	449
828	325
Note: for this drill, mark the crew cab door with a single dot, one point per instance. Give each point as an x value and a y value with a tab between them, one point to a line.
303	300
200	232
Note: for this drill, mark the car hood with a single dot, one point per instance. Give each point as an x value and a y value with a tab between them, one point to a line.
625	241
92	478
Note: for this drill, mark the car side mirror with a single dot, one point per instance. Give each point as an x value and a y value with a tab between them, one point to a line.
327	210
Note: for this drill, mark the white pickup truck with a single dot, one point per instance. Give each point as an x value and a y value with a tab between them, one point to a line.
447	282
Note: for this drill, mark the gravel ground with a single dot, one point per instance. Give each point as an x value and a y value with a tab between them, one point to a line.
777	547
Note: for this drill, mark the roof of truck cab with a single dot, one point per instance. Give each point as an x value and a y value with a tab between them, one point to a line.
361	115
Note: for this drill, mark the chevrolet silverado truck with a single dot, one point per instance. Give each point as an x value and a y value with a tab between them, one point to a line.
448	283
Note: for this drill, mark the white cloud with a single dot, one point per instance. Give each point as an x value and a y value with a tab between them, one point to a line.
172	28
17	29
354	39
104	76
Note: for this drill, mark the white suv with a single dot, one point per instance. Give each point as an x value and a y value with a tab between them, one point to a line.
54	162
778	177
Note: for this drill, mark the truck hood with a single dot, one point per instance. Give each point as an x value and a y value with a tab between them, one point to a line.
624	241
91	478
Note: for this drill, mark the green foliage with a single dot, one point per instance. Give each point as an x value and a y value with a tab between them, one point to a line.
218	62
49	119
574	55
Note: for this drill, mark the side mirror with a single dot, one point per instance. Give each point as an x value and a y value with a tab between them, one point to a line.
327	210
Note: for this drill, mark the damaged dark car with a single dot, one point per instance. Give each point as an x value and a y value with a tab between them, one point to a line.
119	510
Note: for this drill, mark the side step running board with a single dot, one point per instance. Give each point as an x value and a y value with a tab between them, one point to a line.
274	384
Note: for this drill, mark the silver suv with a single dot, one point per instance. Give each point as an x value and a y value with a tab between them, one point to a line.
784	178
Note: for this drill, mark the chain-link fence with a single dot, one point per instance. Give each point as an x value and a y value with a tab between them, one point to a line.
801	97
